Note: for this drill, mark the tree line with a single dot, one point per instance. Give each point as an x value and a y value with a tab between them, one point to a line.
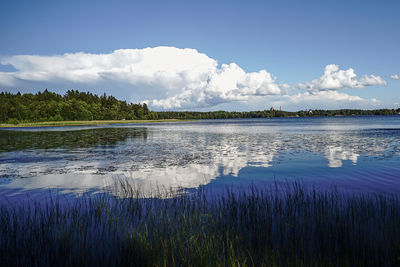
272	114
72	106
75	105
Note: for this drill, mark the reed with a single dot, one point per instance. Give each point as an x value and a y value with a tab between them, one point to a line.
280	225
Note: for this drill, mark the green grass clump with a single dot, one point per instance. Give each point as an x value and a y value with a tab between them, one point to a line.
274	226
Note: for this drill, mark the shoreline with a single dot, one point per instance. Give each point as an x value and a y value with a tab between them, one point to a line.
83	123
105	122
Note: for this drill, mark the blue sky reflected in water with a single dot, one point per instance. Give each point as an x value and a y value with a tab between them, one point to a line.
352	153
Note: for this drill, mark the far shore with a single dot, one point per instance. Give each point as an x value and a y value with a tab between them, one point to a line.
82	123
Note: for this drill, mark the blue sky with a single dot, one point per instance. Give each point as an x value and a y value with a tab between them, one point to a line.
290	42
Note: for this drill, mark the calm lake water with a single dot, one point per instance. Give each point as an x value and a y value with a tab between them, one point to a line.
351	153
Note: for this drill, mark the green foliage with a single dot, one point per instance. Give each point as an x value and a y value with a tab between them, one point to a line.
73	106
13	121
271	114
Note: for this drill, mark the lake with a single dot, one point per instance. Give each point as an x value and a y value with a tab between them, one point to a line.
350	153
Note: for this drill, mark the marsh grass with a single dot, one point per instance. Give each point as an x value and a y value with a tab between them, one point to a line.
286	225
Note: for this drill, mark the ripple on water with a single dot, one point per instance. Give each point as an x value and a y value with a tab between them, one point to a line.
359	153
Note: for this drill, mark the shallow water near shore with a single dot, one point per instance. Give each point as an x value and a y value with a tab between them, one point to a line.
351	153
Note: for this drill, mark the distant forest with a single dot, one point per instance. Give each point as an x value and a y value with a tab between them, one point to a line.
75	105
272	114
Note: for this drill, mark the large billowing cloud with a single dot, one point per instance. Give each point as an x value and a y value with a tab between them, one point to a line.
335	79
173	78
168	67
225	84
192	79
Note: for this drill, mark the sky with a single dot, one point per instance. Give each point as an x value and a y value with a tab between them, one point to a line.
207	55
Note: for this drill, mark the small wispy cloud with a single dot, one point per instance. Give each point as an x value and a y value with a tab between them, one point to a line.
329	99
395	77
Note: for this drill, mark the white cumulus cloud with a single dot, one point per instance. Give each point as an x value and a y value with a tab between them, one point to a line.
395	77
335	79
183	77
168	67
225	84
173	78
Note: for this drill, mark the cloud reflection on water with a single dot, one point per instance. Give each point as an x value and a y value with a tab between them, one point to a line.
175	155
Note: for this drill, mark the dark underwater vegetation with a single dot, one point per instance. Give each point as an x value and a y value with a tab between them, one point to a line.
285	224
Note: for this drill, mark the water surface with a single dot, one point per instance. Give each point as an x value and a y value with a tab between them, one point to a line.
351	153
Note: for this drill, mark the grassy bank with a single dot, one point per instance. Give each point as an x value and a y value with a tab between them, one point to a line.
287	226
81	123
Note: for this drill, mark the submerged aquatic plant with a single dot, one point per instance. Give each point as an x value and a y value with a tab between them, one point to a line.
272	226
